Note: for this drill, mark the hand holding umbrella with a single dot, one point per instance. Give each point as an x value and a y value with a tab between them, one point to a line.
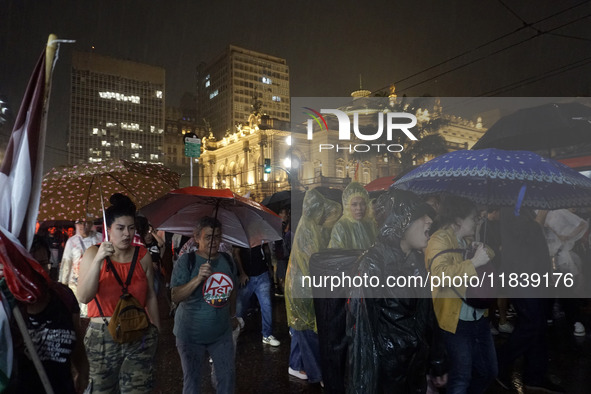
480	256
204	271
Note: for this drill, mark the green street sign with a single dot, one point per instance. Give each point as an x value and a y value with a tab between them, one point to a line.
192	147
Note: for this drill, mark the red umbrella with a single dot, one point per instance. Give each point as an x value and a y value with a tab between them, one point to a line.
244	222
380	184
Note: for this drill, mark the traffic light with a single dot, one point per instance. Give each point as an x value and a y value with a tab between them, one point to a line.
267	166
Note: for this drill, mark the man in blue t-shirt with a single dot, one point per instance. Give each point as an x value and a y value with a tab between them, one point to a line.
203	285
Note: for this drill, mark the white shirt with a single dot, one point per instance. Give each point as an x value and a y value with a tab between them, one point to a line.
73	252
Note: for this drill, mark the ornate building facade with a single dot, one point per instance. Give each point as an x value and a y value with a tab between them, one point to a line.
238	160
251	161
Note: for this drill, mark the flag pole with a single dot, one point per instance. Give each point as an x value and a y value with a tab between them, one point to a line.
49	55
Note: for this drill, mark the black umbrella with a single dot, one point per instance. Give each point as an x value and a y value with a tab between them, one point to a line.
540	128
283	199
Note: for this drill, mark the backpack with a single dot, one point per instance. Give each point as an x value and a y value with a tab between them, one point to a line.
482	297
129	320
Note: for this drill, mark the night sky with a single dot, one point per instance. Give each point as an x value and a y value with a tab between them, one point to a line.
441	48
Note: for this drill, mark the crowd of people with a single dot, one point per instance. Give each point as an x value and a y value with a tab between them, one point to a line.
407	340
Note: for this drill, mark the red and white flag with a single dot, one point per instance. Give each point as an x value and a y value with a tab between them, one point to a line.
21	172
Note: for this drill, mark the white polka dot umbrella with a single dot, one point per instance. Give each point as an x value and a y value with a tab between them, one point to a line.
72	192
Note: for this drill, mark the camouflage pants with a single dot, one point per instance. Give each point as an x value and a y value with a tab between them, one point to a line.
120	367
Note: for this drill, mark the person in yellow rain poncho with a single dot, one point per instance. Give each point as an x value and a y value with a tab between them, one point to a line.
356	229
319	214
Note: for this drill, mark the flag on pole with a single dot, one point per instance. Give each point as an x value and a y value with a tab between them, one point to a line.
22	169
20	190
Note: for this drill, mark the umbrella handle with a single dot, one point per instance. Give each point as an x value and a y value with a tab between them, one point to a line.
215	217
106	234
520	199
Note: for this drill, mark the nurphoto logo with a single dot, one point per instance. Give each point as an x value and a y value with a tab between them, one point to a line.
395	122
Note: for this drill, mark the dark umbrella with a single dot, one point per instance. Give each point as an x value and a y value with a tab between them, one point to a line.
494	177
540	128
283	199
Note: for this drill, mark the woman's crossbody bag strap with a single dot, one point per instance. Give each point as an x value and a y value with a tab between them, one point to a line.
462	252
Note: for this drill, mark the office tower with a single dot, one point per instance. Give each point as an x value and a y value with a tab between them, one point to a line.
228	85
117	110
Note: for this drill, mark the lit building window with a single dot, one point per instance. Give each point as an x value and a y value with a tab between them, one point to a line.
159	94
152	129
108	153
119	97
135	155
153	156
105	143
95	131
213	94
276	98
135	145
130	126
266	80
110	124
207	83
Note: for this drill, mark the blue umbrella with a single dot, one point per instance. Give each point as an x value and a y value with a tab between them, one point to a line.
495	177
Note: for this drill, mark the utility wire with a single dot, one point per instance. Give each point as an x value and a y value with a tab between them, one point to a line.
530	80
495	52
569	36
525	24
483	45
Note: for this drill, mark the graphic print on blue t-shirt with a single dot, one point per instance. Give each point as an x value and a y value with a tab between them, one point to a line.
217	289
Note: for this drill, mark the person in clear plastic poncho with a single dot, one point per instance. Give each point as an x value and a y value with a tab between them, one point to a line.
312	234
356	229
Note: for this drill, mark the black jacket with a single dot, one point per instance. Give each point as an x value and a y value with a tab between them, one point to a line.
393	333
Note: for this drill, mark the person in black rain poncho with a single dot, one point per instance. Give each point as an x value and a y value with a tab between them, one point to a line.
393	336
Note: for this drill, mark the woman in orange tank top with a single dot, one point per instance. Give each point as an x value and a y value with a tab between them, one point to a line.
118	367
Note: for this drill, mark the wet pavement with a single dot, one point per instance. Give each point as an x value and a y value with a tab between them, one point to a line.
263	369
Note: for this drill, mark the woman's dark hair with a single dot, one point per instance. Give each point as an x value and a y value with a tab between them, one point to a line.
452	208
206	221
142	226
121	205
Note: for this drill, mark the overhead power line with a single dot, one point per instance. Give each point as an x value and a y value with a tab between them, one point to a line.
525	26
495	52
536	78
